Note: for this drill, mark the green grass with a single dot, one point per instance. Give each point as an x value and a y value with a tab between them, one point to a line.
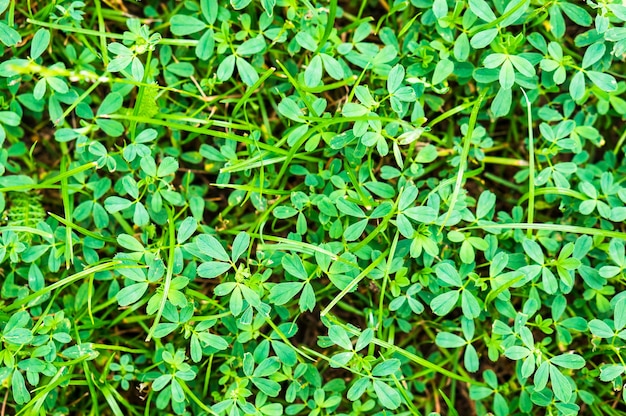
336	208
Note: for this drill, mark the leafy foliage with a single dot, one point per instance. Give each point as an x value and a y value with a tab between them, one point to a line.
312	208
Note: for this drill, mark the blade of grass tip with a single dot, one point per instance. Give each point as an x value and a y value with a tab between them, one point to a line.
403	391
392	252
556	191
68	206
573	229
531	166
412	357
619	144
284	338
297	86
330	25
109	265
74	29
110	395
496	22
464	155
89	299
49	183
80	229
196	400
24	229
140	94
80	99
353	283
102	29
37	402
169	273
244	98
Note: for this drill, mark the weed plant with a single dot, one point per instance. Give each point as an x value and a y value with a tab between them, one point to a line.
301	207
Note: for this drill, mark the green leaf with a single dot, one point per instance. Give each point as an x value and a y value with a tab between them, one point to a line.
462	47
444	303
577	86
501	104
131	294
533	250
183	25
522	65
448	274
507	75
572	361
483	38
18	336
212	269
239	4
339	336
611	372
283	212
469	304
307	298
517	352
290	109
619	313
210	9
395	78
129	243
293	265
350	208
187	229
515	15
593	54
211	246
603	81
267	367
168	166
354	231
9	36
247	72
305	40
386	368
560	385
332	66
354	110
240	245
39	43
268	387
486	202
448	340
387	396
110	104
18	387
268	6
284	292
600	329
251	46
440	8
358	388
115	204
182	69
577	14
10	118
226	68
443	70
481	9
313	72
206	45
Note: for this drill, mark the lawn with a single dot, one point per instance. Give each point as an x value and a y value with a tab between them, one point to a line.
300	207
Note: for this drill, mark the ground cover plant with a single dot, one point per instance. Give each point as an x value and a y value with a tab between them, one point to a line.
273	207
